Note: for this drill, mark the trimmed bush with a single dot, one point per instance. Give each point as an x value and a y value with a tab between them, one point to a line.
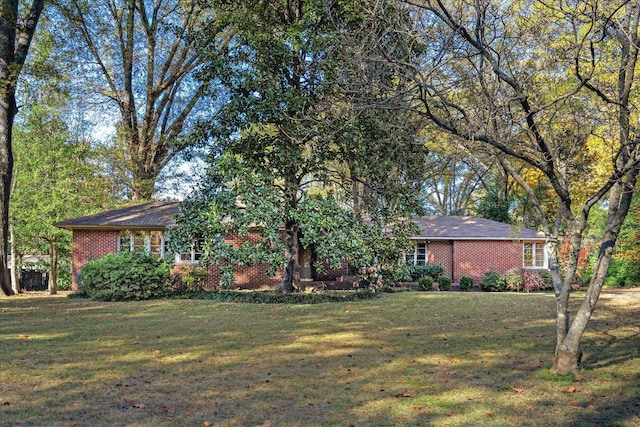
417	271
425	283
492	282
466	283
270	297
534	280
444	283
125	276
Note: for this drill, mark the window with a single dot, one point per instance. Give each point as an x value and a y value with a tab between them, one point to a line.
194	254
534	255
419	255
149	241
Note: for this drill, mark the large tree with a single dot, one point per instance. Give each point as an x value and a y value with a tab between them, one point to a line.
56	178
139	55
17	27
548	85
298	161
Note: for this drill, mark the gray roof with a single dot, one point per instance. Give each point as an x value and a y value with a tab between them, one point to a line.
158	215
471	228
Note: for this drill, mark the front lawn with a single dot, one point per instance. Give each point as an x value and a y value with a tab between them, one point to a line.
416	358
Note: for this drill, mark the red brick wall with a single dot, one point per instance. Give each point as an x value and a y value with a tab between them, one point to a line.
474	258
93	244
88	245
441	252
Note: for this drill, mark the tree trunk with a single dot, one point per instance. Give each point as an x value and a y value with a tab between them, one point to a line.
16	34
7	113
53	268
143	185
568	353
291	275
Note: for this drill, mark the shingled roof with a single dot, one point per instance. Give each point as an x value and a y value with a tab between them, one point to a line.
153	215
160	215
471	228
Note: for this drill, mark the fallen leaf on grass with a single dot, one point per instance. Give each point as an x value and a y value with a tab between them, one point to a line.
517	390
571	389
405	394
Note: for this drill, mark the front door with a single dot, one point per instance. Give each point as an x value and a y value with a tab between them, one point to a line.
305	261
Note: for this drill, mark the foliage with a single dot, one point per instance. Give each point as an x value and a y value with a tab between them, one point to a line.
624	270
56	178
623	273
139	57
294	161
394	274
125	276
189	279
535	280
495	206
433	271
517	280
425	283
551	92
444	283
513	280
269	297
492	282
466	283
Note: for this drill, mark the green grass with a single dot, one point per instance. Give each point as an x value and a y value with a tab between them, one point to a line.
416	358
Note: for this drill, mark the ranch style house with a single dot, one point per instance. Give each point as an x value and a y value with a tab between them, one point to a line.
464	246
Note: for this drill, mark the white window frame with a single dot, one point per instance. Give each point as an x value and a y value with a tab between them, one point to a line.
418	258
147	241
536	247
192	257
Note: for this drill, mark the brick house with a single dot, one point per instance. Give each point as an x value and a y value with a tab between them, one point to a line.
469	246
464	246
143	227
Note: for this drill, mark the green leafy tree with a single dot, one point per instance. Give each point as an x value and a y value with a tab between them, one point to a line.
295	160
548	86
139	56
55	178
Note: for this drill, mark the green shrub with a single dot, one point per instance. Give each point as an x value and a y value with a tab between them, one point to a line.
466	283
125	276
444	283
425	283
492	282
512	281
417	271
270	297
189	279
622	274
548	279
64	277
395	275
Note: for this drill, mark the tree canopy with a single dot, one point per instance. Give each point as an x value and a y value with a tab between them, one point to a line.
291	145
549	90
139	57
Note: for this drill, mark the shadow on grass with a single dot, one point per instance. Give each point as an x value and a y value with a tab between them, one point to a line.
413	359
